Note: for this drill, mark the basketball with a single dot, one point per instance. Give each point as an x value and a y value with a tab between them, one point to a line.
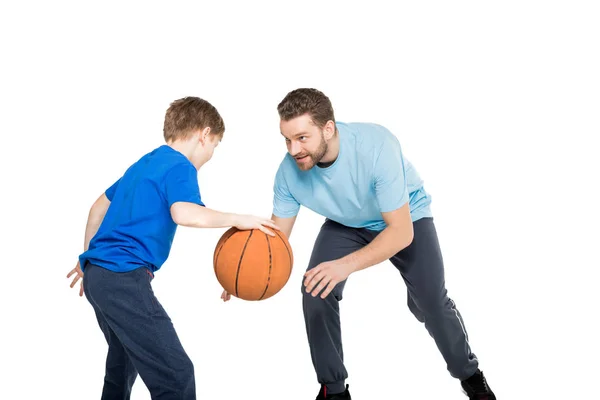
251	265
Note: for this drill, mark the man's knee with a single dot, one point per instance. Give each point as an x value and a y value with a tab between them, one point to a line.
316	305
334	295
415	310
431	305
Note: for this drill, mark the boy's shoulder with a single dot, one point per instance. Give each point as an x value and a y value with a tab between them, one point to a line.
159	162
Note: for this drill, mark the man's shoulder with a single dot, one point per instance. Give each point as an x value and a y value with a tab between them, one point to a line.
367	137
365	131
362	126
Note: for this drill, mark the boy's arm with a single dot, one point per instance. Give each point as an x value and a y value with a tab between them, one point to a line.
97	213
197	216
95	218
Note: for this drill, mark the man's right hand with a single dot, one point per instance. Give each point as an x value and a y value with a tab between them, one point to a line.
245	222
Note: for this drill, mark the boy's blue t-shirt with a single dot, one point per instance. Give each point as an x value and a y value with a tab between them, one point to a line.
138	230
370	176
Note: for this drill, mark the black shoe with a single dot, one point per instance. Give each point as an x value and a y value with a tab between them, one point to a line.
323	395
476	387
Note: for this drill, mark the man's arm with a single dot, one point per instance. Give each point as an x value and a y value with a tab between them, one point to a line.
391	194
95	218
285	224
285	205
396	236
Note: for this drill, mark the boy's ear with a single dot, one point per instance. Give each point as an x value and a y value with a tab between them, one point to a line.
204	134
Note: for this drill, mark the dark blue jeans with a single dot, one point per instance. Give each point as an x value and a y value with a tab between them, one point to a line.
141	338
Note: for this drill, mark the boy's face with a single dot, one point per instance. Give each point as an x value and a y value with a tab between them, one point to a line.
211	144
304	140
207	148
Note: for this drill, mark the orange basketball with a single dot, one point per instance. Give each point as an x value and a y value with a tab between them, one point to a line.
252	265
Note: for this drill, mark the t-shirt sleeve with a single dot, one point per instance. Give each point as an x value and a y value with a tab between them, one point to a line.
181	184
391	189
110	192
284	204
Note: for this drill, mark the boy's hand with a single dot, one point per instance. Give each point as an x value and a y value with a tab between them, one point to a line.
244	222
77	270
225	296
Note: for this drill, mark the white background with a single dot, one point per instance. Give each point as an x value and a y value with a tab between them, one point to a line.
497	105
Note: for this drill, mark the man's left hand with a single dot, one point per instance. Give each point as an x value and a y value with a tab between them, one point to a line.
326	275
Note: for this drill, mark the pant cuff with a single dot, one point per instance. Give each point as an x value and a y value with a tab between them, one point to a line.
335	387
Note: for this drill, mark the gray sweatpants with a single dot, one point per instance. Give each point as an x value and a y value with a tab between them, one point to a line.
422	269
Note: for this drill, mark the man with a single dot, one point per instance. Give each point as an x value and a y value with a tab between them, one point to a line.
376	209
128	237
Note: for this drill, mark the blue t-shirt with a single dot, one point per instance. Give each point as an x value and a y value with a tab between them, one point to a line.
138	230
369	176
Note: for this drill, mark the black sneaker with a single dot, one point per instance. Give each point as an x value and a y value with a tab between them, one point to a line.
323	395
476	387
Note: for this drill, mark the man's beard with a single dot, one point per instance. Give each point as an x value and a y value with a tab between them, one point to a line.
313	157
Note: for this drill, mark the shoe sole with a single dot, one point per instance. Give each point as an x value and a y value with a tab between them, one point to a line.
467	394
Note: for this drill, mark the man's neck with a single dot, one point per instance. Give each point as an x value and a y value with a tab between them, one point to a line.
333	151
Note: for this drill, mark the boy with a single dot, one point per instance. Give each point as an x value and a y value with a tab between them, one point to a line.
128	237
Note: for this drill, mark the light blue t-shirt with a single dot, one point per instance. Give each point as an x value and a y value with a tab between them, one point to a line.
369	176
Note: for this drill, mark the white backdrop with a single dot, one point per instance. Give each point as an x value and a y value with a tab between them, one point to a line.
495	104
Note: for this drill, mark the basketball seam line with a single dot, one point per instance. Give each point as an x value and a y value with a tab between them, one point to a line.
237	275
270	266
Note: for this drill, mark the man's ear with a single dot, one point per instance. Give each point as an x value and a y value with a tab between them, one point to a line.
329	130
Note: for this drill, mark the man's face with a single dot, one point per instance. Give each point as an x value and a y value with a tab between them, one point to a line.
305	141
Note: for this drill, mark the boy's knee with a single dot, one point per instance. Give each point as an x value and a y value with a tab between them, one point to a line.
185	375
